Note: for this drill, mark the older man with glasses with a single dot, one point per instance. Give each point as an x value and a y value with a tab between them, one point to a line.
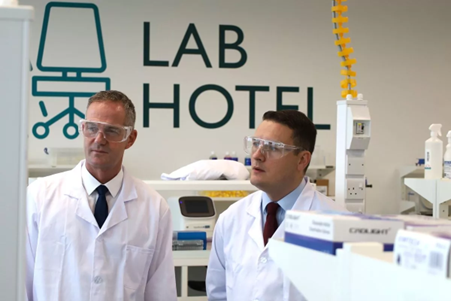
239	266
95	232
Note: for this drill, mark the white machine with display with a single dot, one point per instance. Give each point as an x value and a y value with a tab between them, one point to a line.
193	213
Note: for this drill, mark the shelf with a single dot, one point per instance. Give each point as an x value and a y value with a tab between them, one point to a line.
424	187
19	13
191	258
161	185
410	171
359	271
226	199
314	172
406	205
437	192
443	191
35	171
318	172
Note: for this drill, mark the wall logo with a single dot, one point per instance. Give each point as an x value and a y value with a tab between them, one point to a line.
80	51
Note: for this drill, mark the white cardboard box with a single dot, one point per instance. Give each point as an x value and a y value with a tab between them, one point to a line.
327	231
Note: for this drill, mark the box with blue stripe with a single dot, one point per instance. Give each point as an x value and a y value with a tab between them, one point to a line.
327	231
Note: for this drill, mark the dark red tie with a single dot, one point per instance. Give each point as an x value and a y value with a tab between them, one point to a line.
271	221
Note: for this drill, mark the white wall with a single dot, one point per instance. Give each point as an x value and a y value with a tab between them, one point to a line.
403	68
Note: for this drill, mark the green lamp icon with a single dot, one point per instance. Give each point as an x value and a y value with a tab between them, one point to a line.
71	45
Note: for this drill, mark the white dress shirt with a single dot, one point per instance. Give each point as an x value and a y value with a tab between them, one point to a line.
90	184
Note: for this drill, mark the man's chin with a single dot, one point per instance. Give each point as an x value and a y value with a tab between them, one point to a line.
256	182
96	163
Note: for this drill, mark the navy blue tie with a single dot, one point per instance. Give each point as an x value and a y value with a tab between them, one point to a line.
101	209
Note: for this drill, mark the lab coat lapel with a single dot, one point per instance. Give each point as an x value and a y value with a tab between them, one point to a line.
303	203
254	213
305	199
118	213
73	187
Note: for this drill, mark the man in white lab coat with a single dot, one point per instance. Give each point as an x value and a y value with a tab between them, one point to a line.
240	267
95	232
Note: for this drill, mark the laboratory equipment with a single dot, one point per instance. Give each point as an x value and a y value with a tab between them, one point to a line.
447	158
353	138
213	156
110	132
339	31
189	240
353	126
247	160
193	213
234	156
227	156
433	167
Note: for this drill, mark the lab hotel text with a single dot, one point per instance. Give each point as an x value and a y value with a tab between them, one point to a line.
224	47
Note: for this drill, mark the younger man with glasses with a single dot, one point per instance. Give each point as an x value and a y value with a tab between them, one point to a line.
239	267
95	232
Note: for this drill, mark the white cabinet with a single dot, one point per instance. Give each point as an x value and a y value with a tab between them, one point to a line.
14	86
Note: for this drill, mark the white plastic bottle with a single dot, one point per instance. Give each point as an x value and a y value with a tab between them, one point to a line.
234	157
447	158
433	159
213	156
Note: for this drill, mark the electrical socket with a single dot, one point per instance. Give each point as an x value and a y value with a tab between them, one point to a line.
355	189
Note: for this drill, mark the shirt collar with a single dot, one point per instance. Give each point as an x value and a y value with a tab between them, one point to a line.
90	183
288	201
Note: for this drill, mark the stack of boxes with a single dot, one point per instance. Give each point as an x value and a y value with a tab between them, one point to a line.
417	242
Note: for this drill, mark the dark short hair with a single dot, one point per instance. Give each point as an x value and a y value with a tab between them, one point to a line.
119	97
304	131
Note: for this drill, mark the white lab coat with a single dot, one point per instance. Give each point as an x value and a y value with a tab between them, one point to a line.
240	268
70	258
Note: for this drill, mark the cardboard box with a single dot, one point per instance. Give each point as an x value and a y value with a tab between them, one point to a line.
427	252
322	185
327	231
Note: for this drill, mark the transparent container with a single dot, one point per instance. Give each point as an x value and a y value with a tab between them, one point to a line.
64	156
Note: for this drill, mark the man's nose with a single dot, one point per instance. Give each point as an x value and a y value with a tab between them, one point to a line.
258	154
100	138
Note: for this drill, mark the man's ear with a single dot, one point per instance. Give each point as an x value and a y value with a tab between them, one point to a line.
131	139
304	160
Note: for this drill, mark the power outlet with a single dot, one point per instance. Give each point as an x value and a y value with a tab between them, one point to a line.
355	189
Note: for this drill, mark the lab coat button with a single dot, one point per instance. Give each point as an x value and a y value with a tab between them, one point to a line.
263	260
97	279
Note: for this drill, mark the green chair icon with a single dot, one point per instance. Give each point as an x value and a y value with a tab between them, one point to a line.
88	56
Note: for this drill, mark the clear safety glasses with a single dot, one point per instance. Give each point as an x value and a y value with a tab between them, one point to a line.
112	133
271	149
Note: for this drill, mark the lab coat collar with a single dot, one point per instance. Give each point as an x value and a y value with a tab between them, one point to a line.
73	187
90	183
255	230
305	199
303	203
